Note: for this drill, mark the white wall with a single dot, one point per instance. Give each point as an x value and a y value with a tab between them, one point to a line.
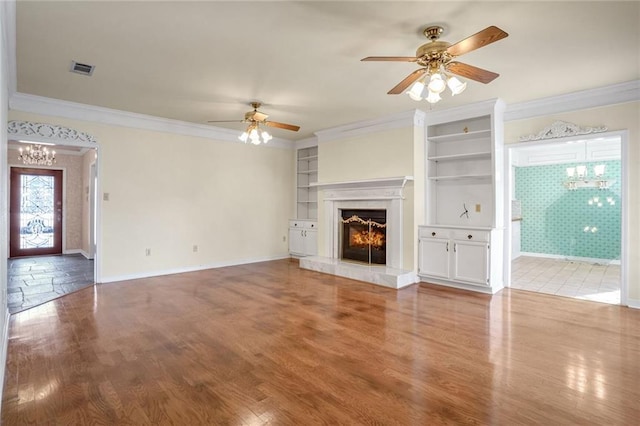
6	25
616	117
169	192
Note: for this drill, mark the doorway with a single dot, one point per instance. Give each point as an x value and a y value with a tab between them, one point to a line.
35	212
566	217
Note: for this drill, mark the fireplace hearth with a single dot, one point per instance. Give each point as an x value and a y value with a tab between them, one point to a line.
363	236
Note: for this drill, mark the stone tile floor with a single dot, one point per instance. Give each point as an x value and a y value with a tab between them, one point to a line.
580	280
36	280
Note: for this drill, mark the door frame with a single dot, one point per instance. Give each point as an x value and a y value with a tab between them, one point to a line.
63	226
623	135
35	132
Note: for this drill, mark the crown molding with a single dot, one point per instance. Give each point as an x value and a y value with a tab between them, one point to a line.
77	111
414	117
465	111
8	18
584	99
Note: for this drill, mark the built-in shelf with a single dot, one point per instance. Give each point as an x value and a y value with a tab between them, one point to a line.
307	176
458	157
460	177
399	181
463	136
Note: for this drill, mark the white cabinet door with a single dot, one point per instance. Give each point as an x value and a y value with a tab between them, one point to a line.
434	257
310	242
471	262
296	240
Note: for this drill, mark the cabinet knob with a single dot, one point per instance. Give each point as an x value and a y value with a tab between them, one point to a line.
469	236
433	234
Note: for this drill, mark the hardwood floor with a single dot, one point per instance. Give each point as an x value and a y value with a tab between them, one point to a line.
269	343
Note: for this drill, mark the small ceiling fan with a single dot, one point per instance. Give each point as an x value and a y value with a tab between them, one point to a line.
437	59
256	116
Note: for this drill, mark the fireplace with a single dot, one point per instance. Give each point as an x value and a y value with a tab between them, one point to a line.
363	236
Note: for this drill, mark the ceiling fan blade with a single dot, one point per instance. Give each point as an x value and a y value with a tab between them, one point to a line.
225	121
487	36
282	125
471	72
390	58
402	86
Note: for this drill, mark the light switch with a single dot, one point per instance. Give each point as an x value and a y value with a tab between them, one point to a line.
478	208
105	196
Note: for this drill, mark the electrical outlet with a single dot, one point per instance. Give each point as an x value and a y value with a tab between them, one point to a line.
195	248
478	208
147	252
105	196
284	238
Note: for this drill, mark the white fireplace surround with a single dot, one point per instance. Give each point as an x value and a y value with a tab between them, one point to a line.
385	194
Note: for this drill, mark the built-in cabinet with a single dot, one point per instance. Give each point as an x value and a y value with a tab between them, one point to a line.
303	232
307	173
303	237
462	242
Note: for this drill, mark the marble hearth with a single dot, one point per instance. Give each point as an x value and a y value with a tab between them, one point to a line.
383	194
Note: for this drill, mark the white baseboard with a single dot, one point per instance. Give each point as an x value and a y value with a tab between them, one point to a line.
78	251
150	274
633	303
572	258
4	345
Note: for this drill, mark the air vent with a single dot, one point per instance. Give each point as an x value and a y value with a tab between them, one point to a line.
83	69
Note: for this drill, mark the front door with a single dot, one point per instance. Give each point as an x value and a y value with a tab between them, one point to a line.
35	212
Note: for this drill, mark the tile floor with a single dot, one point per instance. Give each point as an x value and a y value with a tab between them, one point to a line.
580	280
36	280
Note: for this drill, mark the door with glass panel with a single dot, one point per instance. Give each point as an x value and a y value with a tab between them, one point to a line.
35	212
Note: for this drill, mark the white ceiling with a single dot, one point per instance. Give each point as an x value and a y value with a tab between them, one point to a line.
199	61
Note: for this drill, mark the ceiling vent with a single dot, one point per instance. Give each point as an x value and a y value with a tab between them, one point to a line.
83	69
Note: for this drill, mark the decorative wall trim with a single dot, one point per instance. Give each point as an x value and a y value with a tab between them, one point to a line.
591	98
17	129
562	129
57	108
413	118
150	274
464	111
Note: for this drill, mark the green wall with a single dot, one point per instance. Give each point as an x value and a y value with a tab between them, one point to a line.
583	223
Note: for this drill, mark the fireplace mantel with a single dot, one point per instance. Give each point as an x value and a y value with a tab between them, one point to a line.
390	182
381	193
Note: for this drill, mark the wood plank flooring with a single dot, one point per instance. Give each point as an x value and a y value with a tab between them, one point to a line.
269	343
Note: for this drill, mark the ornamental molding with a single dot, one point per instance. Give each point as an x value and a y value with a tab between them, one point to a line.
562	129
47	131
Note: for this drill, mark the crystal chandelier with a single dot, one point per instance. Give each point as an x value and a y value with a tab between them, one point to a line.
37	155
254	135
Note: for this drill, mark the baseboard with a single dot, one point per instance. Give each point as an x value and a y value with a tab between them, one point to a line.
3	351
633	303
572	258
150	274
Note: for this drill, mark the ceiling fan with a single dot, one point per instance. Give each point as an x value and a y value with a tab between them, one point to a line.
437	59
256	116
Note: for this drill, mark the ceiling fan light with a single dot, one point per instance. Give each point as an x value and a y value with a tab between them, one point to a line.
266	137
433	97
437	84
243	137
416	90
456	86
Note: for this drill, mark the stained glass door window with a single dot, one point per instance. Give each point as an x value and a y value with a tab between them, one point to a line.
36	212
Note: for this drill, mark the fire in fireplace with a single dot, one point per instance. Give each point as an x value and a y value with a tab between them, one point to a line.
364	236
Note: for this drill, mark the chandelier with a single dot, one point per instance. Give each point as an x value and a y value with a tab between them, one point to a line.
433	84
37	155
254	135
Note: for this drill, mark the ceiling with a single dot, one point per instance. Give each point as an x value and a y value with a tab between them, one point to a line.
206	60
